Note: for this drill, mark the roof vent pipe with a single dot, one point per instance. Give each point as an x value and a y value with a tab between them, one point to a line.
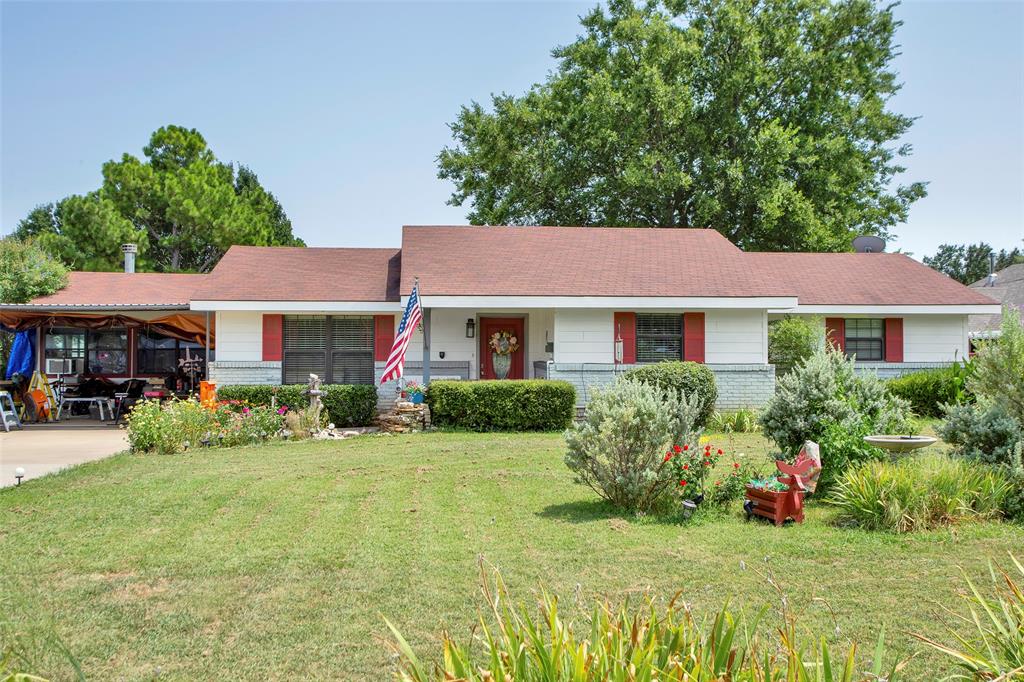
129	251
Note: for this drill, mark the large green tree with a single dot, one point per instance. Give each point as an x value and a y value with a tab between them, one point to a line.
968	263
27	271
181	205
764	119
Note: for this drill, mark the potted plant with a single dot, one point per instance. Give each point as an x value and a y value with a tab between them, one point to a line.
414	392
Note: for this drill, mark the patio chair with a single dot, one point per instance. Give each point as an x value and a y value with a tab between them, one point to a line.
132	394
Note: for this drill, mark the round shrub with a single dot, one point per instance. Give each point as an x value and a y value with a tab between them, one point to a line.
792	340
986	433
619	448
684	378
824	400
929	390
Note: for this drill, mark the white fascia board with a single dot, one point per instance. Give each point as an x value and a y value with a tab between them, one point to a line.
894	310
301	306
609	302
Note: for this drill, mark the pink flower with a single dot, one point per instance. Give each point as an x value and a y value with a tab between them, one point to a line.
245	410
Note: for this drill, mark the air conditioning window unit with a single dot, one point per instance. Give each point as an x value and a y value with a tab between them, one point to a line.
58	366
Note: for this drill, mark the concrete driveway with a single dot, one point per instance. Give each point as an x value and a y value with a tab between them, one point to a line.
44	448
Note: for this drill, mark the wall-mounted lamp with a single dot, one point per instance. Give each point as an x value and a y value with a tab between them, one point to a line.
470	328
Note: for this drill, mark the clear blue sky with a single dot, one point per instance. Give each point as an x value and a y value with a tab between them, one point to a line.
341	108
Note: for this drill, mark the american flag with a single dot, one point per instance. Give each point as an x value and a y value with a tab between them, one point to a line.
395	366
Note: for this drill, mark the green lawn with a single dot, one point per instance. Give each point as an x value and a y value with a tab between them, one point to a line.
282	561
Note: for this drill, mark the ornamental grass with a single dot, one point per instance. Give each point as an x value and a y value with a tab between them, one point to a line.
651	643
919	493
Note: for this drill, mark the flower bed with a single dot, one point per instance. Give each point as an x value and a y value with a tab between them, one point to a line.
177	425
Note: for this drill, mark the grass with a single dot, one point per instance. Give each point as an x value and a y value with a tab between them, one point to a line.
282	561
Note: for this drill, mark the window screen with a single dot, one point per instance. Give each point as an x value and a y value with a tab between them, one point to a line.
865	339
67	344
659	337
338	349
160	354
304	344
352	350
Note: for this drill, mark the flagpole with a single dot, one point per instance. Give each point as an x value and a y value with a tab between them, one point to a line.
426	336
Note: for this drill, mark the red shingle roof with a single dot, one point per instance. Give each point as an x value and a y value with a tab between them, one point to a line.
863	279
580	261
120	289
285	273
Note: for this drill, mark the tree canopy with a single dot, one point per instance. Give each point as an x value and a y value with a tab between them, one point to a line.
28	271
181	205
968	263
763	119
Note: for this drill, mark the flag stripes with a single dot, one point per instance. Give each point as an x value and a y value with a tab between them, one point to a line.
394	368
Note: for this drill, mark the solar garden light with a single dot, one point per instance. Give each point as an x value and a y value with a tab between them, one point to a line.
19	474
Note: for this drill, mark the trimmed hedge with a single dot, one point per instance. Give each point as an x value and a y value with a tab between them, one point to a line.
346	404
519	405
688	378
928	390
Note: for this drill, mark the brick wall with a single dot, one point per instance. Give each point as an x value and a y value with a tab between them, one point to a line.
229	372
739	385
891	370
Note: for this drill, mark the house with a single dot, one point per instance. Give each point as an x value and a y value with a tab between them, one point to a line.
584	304
1006	288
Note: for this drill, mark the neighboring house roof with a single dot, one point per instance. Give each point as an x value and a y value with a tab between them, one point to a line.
1008	290
121	290
286	273
864	279
580	261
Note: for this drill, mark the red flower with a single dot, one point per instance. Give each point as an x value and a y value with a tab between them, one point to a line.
668	456
683	483
685	447
677	448
707	447
719	451
686	466
718	483
735	465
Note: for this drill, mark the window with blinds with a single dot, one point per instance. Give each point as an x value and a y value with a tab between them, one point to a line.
659	336
865	339
338	349
352	350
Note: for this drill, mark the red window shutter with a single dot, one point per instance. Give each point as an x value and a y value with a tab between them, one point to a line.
835	332
383	336
625	328
693	337
894	339
272	327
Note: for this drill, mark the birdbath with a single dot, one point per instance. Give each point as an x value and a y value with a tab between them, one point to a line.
899	445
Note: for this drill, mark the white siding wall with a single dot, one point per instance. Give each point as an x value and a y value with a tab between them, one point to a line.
448	335
934	338
735	337
583	336
239	336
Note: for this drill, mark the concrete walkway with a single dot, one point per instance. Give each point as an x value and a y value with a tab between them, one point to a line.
44	448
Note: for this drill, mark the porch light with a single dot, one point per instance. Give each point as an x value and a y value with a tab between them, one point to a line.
470	328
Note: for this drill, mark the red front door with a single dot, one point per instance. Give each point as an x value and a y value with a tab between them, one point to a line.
495	325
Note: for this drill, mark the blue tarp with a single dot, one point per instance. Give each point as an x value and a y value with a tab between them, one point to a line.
20	361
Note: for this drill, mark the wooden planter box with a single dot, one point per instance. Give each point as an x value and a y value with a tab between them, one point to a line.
776	506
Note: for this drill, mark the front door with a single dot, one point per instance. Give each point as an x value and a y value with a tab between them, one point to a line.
504	365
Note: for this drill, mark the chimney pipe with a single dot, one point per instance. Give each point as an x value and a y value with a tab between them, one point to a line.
129	256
